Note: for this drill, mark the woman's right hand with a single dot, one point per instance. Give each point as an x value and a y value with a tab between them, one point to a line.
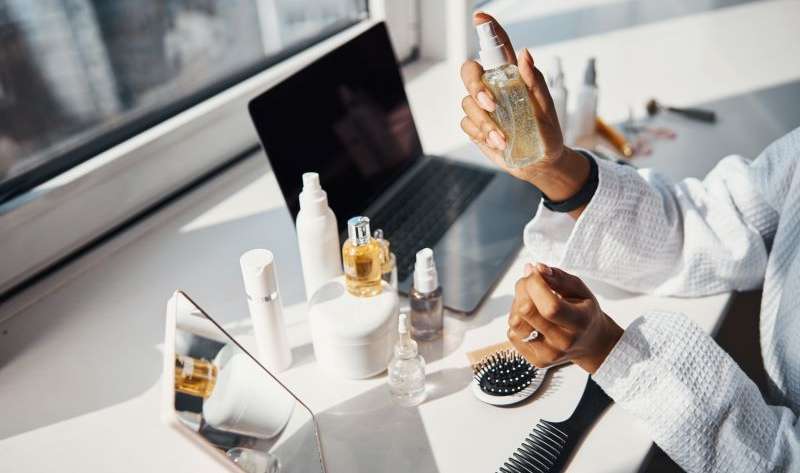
480	127
561	172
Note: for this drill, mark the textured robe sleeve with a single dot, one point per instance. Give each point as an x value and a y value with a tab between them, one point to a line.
644	233
692	238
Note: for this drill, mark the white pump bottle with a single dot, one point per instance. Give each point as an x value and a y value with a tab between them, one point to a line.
317	236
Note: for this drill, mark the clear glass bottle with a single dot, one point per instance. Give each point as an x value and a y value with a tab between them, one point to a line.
514	113
389	260
362	257
425	298
407	368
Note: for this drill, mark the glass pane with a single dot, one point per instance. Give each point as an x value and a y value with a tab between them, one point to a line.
235	405
81	72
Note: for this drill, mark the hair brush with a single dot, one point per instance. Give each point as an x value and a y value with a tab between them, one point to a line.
505	377
549	446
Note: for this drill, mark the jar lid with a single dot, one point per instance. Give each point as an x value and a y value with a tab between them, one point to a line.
342	318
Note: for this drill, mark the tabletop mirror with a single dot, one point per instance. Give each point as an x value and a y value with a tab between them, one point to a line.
219	396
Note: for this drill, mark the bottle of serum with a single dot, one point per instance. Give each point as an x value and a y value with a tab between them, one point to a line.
317	236
407	368
363	259
425	298
514	113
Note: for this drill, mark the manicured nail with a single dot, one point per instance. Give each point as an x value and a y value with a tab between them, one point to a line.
544	269
496	140
485	102
527	270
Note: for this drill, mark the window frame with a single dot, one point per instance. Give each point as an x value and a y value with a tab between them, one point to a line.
57	218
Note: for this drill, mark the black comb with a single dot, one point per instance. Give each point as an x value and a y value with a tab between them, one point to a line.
549	446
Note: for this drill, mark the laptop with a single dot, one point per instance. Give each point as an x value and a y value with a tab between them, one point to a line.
346	117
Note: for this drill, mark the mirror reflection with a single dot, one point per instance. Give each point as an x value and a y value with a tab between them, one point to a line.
230	401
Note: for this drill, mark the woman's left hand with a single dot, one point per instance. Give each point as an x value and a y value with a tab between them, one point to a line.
570	324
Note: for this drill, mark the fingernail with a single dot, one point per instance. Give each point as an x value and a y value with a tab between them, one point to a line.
527	270
485	102
544	269
496	140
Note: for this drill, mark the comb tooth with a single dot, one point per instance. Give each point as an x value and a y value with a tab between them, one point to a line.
556	430
504	470
520	466
529	460
538	454
513	469
537	438
547	435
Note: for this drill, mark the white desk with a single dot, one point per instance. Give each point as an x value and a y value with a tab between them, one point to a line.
80	362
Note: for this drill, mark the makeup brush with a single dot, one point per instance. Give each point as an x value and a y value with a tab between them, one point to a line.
549	446
708	116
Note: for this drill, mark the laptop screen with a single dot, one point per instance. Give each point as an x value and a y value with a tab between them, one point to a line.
345	116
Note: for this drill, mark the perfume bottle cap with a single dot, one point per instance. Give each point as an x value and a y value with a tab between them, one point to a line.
358	230
556	76
258	274
491	53
312	198
426	278
590	76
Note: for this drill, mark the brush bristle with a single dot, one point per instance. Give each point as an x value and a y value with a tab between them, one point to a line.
504	373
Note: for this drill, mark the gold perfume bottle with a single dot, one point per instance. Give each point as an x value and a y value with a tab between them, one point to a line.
514	112
362	257
194	376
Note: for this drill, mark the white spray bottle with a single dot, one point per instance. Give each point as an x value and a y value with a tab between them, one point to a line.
317	236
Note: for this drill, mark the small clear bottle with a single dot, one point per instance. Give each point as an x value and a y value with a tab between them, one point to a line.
514	113
389	260
425	298
407	368
362	257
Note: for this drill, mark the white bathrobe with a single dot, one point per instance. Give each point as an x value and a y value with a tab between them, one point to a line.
737	229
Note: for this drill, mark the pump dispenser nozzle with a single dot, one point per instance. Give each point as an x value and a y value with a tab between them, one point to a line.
590	76
492	54
426	279
313	199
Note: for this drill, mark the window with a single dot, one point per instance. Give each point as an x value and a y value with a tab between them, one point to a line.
79	76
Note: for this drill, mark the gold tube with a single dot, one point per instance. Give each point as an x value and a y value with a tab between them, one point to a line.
614	137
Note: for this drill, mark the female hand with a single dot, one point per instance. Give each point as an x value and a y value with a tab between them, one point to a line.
570	323
480	127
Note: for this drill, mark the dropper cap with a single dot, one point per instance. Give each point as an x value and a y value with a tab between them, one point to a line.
590	76
491	53
313	199
426	279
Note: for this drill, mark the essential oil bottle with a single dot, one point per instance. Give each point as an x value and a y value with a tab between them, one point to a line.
514	112
407	368
362	256
425	298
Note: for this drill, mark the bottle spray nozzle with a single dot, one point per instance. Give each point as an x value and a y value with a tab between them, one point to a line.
491	53
426	278
312	198
311	181
590	76
556	76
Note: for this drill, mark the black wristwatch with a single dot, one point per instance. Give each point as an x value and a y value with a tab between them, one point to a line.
583	196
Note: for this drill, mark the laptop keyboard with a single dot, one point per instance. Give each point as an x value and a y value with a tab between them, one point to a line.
419	215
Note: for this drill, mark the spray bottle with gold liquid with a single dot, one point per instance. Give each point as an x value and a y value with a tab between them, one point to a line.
514	113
